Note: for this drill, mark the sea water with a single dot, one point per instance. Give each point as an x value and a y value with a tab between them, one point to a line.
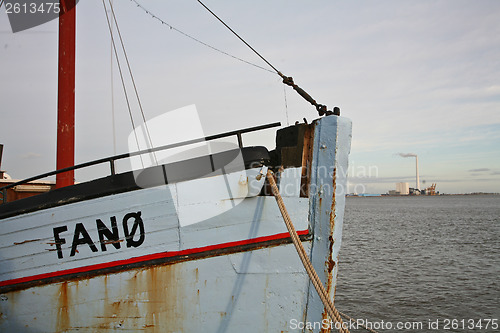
421	264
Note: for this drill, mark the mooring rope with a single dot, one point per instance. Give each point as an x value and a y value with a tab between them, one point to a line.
318	285
333	313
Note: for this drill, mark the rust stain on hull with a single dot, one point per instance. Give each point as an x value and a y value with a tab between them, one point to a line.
148	303
163	307
27	241
138	300
330	262
63	302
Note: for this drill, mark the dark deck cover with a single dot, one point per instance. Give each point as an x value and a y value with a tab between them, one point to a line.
193	168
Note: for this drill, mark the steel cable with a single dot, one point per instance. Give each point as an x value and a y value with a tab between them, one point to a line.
196	39
122	79
133	81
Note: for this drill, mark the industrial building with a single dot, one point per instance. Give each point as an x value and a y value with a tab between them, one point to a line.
403	188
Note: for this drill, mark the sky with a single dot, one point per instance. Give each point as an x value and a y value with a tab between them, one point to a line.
419	77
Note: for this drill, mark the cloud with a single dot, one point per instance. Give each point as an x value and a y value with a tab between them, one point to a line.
479	170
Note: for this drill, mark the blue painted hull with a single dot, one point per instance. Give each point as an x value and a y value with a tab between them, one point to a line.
144	259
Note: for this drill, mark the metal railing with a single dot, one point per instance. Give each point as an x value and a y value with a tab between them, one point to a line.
111	160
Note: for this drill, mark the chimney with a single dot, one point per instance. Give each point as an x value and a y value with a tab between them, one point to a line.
418	179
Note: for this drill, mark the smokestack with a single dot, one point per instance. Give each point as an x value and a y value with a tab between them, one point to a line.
417	180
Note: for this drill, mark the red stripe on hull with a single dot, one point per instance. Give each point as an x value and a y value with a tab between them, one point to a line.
149	257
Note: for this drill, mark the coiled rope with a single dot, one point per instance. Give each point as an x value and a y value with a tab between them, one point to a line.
333	313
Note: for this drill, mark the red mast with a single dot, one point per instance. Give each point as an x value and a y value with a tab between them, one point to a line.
66	93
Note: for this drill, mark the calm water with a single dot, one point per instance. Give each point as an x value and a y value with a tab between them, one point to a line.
420	259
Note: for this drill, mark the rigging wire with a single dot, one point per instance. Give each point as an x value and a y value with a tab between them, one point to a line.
196	39
112	94
288	80
123	81
286	106
148	134
251	48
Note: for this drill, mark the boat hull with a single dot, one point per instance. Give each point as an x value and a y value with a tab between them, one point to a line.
143	260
